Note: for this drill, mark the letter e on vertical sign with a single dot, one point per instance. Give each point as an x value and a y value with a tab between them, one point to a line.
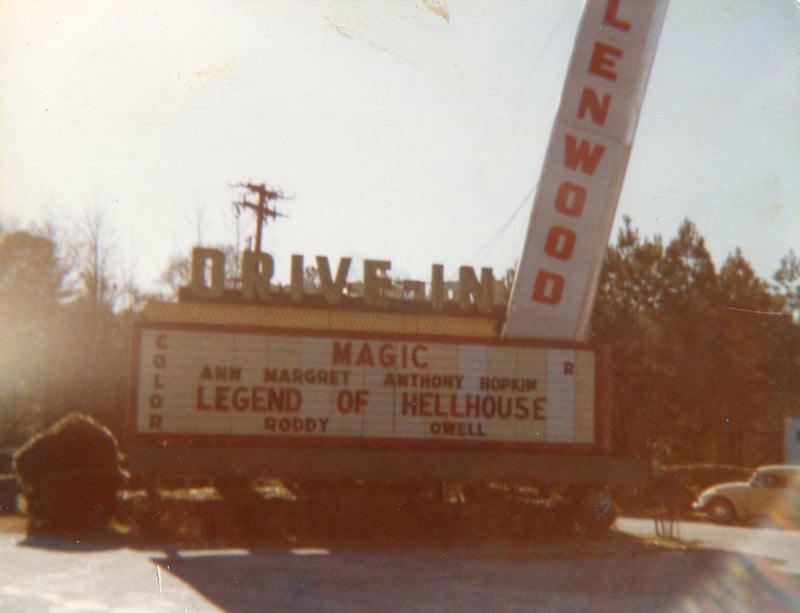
587	155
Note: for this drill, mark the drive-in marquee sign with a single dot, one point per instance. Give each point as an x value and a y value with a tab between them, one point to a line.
252	384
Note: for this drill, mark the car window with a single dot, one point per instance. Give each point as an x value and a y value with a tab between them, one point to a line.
769	480
777	480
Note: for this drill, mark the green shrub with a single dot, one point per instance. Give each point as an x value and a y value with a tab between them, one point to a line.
70	475
685	482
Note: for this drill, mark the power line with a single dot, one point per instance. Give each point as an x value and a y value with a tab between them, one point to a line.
261	208
487	247
492	242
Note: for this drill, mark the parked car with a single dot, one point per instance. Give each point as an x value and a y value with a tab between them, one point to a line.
772	491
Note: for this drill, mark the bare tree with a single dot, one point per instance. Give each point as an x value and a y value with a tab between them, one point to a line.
91	259
176	275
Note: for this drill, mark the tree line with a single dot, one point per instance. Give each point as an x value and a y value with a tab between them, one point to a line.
706	361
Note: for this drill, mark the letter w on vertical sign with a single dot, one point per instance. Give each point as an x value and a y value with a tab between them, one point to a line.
575	203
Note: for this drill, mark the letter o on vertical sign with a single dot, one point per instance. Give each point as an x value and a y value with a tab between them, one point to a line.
560	243
570	199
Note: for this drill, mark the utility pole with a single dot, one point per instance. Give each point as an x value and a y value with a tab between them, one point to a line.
261	208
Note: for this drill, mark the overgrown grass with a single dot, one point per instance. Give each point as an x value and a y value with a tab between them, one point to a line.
358	513
265	511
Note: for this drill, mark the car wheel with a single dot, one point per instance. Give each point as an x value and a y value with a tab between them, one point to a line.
603	511
721	511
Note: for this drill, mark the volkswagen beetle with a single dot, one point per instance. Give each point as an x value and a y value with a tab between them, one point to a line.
772	491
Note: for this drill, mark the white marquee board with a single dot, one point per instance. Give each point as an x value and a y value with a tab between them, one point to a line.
214	382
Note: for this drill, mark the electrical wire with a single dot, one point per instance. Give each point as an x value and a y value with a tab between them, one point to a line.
487	247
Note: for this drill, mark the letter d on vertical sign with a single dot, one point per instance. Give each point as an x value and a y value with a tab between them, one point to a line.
576	199
548	288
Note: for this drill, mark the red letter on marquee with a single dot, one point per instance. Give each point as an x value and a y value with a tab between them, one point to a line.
611	19
580	155
560	243
603	61
570	199
597	109
548	287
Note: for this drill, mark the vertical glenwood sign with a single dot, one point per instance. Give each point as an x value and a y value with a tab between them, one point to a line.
223	385
585	164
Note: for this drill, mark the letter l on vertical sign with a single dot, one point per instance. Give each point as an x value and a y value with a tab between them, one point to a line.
573	210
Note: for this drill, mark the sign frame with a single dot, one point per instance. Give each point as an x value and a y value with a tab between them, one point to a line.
601	410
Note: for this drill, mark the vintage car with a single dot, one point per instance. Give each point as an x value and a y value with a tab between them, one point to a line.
772	492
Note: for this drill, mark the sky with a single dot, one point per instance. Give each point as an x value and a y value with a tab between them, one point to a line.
412	131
